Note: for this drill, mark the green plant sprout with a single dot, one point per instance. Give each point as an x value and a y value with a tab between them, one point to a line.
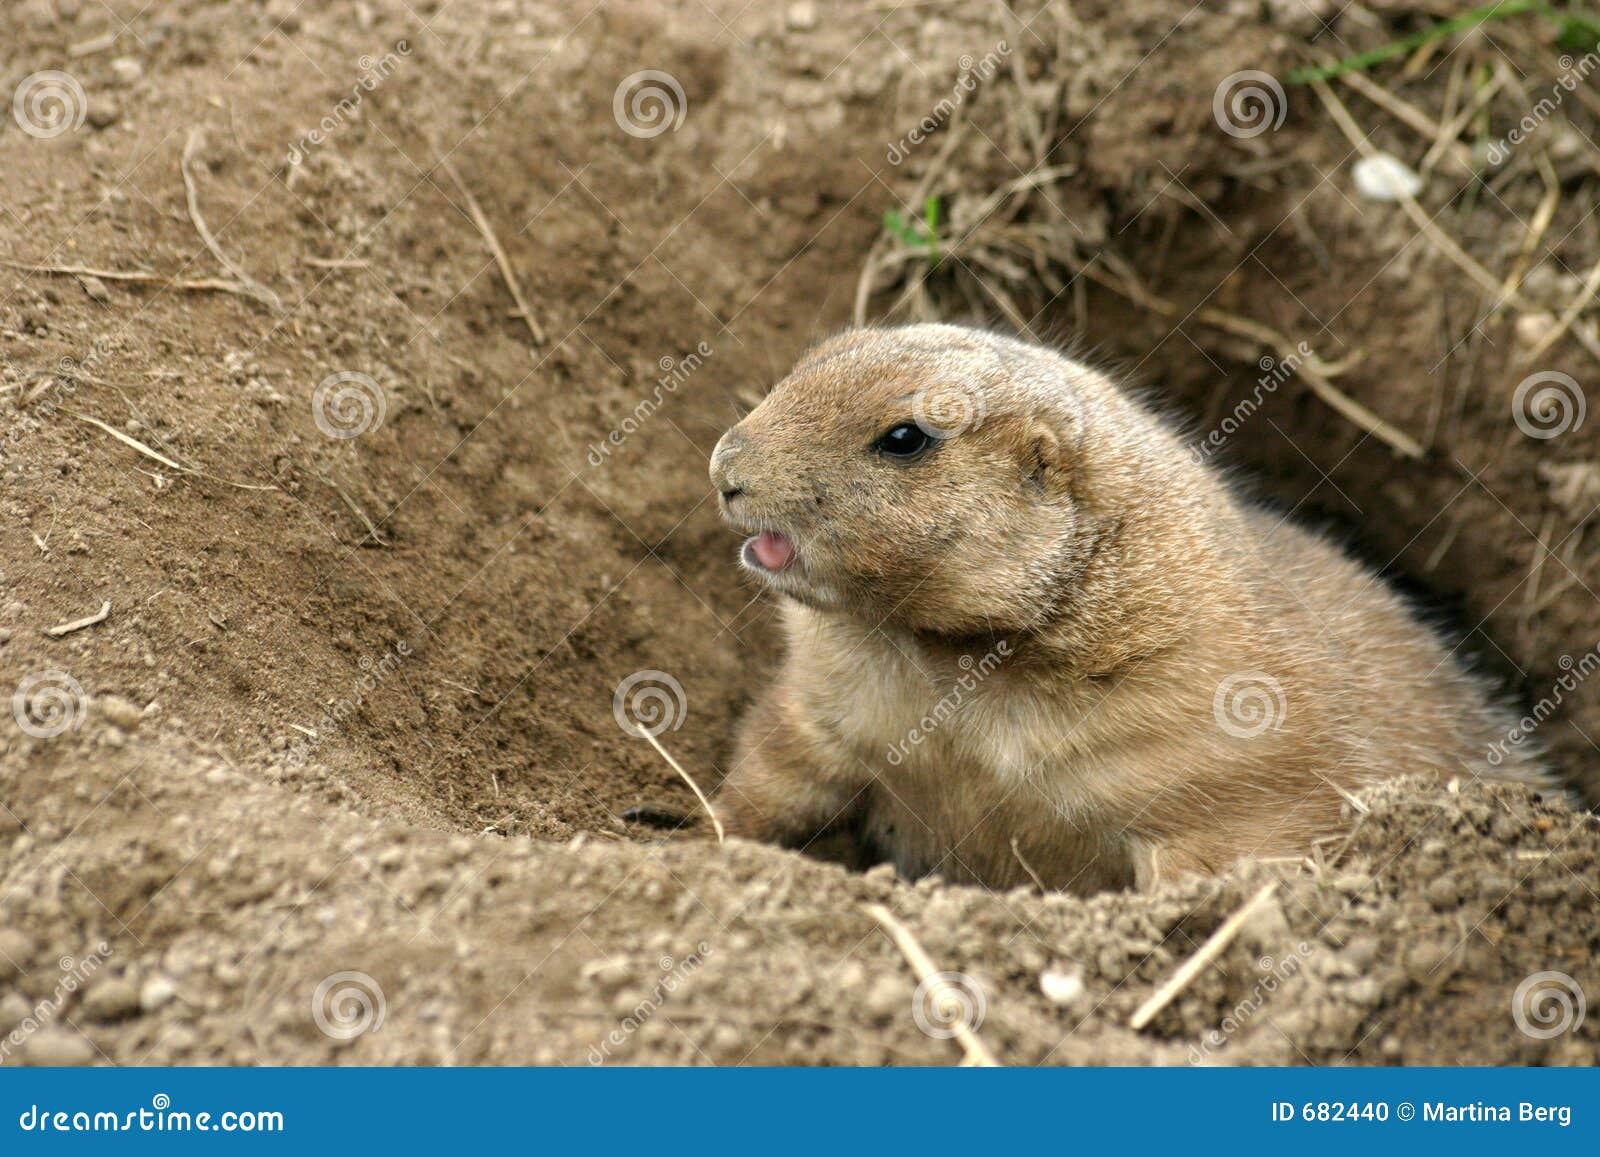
916	234
1576	30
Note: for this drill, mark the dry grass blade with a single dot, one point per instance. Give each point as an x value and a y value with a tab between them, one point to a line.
193	284
1542	216
1413	117
153	455
501	258
1451	129
977	1053
249	285
99	616
688	779
157	456
1204	955
1016	850
1314	371
1591	285
1441	240
372	531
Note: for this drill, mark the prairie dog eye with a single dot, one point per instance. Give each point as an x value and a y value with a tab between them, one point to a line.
905	441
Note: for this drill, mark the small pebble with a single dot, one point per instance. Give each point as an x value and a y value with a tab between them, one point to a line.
888	998
1532	327
1382	177
1428	960
802	15
127	69
1443	893
1365	992
155	992
1361	952
1061	985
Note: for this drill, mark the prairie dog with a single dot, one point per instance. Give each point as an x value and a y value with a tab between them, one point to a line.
1028	633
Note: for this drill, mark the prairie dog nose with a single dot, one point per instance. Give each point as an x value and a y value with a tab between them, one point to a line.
724	474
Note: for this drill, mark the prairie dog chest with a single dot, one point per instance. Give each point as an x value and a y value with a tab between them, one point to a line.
971	770
907	713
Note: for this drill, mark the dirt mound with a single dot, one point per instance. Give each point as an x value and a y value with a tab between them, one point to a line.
380	548
222	919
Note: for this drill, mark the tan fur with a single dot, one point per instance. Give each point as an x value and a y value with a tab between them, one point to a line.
1061	588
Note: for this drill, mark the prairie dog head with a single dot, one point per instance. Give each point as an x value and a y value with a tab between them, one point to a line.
924	476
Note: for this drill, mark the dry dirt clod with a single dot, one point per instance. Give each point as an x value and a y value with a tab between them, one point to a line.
57	1048
120	711
111	999
103	113
14	1008
16	949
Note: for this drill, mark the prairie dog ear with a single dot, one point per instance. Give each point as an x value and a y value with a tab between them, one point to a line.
1044	461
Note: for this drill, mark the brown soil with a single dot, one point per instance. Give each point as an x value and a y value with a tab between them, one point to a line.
449	600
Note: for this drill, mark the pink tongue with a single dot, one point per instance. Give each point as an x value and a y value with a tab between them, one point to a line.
773	550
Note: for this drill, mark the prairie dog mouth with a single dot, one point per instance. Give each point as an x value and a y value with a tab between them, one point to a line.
771	551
